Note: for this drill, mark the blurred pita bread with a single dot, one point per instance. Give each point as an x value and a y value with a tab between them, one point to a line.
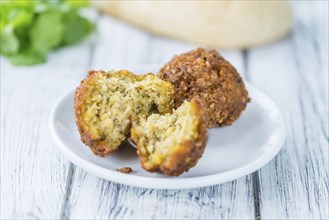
219	24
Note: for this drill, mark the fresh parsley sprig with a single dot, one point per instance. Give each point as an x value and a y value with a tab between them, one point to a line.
30	29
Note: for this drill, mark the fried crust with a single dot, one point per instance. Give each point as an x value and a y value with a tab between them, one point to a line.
207	76
97	146
184	156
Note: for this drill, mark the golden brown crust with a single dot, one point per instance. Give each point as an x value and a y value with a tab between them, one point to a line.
101	139
183	157
207	76
98	147
187	155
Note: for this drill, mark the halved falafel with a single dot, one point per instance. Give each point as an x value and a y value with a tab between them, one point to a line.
172	143
106	102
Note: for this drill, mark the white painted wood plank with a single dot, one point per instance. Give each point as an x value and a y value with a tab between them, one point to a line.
93	198
33	173
294	72
295	185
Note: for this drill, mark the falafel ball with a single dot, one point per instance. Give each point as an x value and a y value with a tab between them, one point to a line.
105	103
207	76
171	144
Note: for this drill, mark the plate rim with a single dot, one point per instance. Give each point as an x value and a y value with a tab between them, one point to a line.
174	182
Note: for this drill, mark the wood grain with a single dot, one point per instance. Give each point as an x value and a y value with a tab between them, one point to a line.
294	73
33	173
92	197
38	183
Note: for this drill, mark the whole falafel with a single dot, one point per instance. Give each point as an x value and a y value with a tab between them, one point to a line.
207	76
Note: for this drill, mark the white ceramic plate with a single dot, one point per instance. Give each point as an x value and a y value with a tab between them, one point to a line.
232	152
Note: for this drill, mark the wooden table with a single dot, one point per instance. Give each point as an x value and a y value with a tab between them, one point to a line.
37	182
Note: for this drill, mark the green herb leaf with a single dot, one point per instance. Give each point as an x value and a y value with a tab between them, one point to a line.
76	28
77	3
9	43
26	58
30	29
47	32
